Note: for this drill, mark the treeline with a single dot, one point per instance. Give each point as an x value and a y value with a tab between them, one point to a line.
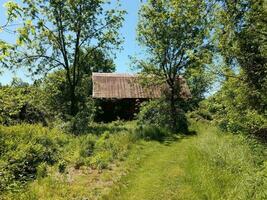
219	43
208	42
240	105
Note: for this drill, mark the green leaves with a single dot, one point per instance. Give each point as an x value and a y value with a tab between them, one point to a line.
175	35
172	32
242	43
55	32
13	9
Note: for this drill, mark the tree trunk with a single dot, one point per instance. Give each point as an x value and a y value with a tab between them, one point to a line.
73	100
173	110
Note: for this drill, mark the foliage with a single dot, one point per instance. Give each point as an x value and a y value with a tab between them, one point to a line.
57	98
156	113
41	170
25	150
239	39
28	152
243	44
79	124
54	35
210	164
199	81
58	94
231	110
21	103
173	34
13	11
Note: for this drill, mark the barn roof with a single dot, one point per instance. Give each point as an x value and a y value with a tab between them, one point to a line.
126	86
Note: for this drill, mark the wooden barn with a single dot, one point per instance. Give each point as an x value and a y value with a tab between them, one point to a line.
121	94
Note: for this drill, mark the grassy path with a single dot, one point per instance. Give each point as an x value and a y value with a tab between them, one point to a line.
149	180
207	166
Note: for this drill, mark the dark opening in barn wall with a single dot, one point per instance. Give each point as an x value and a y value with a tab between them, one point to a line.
114	109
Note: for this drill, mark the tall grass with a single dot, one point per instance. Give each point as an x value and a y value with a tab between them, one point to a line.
211	165
223	166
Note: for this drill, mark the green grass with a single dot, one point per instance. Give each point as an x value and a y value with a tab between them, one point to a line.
119	166
42	163
85	183
207	166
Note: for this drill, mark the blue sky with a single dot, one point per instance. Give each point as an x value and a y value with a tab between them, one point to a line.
128	31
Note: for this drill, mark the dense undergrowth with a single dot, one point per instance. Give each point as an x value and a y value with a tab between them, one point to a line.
31	152
42	163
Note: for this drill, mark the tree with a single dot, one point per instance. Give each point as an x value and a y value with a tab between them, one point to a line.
199	80
55	32
242	43
240	38
55	85
174	34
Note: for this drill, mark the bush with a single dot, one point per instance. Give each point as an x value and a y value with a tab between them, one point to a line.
20	104
98	151
62	166
87	146
101	160
28	152
25	152
109	148
157	113
79	124
231	109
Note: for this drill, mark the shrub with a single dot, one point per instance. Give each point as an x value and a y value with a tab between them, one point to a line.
157	113
101	160
20	104
232	110
79	124
62	166
87	146
26	150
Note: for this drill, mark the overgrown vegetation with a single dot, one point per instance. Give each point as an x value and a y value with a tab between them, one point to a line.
54	144
157	113
230	110
211	165
31	151
51	164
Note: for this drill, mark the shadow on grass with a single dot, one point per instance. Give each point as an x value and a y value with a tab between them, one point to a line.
177	137
100	128
162	135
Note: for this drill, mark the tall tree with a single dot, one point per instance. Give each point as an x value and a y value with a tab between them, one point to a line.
174	34
54	32
243	44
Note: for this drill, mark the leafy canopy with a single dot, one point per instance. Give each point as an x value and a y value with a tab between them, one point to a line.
54	33
175	35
